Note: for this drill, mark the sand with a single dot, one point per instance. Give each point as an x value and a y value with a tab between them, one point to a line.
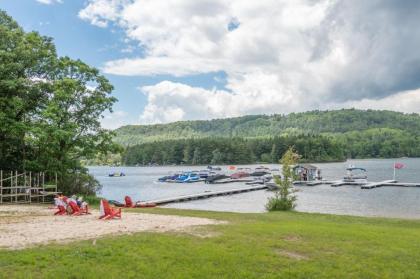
23	226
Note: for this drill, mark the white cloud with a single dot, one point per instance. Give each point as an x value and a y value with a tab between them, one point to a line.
100	12
114	120
407	101
282	56
254	93
49	2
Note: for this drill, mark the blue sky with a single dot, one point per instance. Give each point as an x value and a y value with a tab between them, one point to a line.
78	39
172	60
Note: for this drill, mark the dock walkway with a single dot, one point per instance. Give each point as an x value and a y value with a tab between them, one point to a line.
363	185
204	195
372	185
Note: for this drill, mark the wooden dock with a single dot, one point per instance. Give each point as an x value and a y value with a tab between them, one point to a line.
342	183
309	183
363	185
372	185
205	195
230	180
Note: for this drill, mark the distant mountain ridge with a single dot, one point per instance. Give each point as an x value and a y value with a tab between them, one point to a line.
257	126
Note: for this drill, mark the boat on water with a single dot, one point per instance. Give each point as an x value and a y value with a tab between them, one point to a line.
260	171
355	174
261	180
215	177
214	168
239	174
116	174
168	178
205	173
188	177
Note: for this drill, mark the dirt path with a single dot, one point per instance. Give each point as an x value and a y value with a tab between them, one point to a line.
23	226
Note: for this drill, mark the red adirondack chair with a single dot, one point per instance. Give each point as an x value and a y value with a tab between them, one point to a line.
108	212
76	210
129	202
61	209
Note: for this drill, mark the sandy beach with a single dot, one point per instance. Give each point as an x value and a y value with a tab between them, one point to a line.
23	226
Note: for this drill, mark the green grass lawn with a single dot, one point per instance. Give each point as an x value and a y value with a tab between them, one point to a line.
270	245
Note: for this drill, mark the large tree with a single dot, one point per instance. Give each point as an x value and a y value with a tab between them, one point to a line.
50	107
25	60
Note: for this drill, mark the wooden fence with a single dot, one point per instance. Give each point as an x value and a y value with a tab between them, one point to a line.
27	187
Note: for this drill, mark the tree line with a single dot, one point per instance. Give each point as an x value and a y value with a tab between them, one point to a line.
372	143
256	126
216	150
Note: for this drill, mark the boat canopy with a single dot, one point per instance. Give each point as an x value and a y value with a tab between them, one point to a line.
305	166
355	168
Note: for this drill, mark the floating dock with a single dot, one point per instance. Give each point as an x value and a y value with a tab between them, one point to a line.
372	185
310	183
342	183
205	195
230	180
362	184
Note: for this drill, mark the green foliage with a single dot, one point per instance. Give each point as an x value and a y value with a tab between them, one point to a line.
257	126
231	151
360	134
50	108
92	200
283	198
79	182
217	157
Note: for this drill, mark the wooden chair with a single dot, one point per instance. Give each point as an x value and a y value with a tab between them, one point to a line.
108	212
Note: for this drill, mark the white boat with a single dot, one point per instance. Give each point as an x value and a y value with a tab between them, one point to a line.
355	174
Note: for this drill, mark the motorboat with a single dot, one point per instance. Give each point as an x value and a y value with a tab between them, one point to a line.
214	168
212	178
188	177
260	171
205	173
239	174
355	174
261	180
168	178
116	174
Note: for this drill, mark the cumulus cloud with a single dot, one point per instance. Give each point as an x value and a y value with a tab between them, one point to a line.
113	120
278	55
100	12
49	2
407	101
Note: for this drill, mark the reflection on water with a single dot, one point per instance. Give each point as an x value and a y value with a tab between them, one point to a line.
140	183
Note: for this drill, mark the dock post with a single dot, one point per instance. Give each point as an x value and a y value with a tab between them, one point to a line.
393	166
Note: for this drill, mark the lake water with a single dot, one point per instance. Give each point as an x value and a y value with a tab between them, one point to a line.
141	184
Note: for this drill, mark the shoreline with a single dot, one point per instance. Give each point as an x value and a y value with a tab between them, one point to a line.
257	163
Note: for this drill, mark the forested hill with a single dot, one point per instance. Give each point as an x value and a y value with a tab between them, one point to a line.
256	126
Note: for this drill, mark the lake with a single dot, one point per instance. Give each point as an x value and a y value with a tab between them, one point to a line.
141	184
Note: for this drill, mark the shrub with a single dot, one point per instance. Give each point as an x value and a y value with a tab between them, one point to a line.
283	198
79	182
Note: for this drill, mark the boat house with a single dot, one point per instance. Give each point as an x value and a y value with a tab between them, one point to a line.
307	172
